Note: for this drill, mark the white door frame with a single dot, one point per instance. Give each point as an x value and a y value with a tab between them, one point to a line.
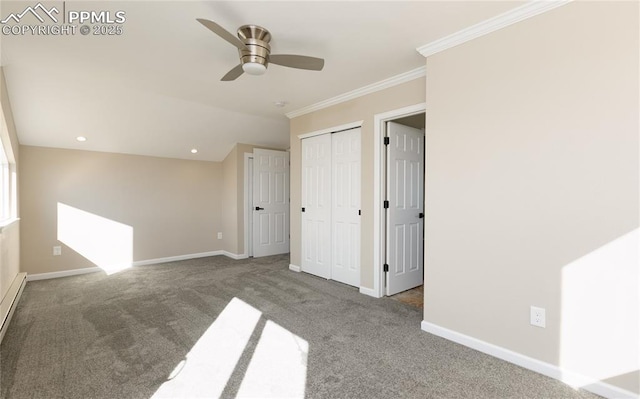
379	130
248	198
275	206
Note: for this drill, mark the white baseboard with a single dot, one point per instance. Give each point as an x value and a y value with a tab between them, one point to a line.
550	370
369	291
85	270
177	258
64	273
10	301
295	268
234	256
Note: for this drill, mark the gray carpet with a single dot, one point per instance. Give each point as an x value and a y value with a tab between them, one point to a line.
121	336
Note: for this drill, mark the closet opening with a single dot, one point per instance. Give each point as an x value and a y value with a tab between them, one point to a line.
399	200
331	209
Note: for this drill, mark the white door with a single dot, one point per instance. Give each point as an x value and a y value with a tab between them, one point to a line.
270	202
316	205
345	231
405	217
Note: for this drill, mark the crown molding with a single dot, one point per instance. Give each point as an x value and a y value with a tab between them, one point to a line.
372	88
526	11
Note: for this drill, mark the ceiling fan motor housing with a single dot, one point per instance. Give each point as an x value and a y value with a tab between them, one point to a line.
257	39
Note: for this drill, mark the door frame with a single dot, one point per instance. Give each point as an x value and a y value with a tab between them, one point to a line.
379	178
248	202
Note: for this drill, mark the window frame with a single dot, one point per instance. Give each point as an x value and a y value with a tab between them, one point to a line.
8	183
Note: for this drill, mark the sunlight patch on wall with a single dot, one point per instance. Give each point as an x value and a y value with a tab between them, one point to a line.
278	368
104	242
601	313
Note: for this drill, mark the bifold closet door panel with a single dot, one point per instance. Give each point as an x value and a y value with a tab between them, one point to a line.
316	205
345	207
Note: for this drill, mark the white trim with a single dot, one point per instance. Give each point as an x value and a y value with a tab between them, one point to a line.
378	214
346	126
177	258
85	270
526	11
7	223
295	268
247	203
234	256
64	273
369	291
363	91
9	303
568	377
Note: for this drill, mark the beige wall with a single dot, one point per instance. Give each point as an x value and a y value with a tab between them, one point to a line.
362	108
9	236
532	188
174	206
230	203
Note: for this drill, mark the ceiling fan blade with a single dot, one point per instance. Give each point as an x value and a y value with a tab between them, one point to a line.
233	74
297	61
222	32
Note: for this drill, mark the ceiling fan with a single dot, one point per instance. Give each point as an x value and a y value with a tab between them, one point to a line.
255	53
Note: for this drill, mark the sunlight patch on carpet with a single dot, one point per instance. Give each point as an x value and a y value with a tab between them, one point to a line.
278	367
209	364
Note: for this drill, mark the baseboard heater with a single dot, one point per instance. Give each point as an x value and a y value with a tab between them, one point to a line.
10	302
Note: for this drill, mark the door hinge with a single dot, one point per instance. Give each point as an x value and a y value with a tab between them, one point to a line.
302	209
386	204
359	212
386	141
385	267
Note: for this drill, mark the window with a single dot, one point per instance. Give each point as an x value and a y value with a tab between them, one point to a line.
5	185
7	177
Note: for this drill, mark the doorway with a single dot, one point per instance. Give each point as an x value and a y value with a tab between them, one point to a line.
399	172
266	193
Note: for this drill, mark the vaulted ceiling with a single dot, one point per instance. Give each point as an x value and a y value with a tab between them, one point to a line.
155	89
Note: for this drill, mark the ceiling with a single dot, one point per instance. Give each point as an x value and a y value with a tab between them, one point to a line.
418	121
156	90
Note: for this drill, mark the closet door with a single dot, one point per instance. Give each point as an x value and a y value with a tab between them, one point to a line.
345	208
316	205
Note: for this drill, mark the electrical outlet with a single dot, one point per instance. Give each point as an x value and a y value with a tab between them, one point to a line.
538	317
57	250
220	236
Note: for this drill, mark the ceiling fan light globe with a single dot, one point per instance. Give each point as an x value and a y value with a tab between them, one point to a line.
254	68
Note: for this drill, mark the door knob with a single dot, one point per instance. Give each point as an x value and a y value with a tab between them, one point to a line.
421	215
259	209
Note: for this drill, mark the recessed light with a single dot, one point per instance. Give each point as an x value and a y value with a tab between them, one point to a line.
194	150
81	138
